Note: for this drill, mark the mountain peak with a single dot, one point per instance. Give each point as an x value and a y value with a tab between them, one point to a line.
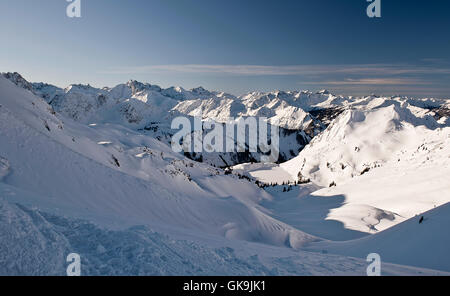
324	92
137	86
18	80
199	90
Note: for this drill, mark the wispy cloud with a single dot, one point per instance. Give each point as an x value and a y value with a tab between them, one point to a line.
436	61
374	81
428	78
263	70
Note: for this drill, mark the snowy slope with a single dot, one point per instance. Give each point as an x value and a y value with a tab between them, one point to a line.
382	165
415	182
117	178
101	155
358	141
141	106
420	244
150	109
33	242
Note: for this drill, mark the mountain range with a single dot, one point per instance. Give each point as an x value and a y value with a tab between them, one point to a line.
91	171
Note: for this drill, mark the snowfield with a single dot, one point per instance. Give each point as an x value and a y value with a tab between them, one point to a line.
386	163
406	243
90	171
37	243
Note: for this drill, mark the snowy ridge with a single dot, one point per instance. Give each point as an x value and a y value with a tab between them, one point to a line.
383	161
89	170
127	181
358	141
141	106
150	109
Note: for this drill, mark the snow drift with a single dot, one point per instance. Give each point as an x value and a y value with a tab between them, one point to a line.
412	242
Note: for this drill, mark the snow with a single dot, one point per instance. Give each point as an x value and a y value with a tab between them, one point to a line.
37	243
145	107
408	242
265	172
92	173
67	170
360	140
386	163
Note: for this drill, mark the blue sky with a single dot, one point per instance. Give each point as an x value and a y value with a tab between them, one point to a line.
234	46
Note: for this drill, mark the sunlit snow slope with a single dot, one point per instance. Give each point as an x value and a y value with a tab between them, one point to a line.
388	162
118	178
415	242
88	178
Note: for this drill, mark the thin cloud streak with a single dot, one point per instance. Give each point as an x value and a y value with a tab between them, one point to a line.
350	79
373	81
262	70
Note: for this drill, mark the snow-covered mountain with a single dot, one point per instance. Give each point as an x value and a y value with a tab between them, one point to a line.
363	139
150	109
386	158
90	171
122	173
